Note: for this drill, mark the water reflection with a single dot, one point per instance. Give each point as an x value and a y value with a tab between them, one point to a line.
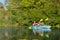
7	33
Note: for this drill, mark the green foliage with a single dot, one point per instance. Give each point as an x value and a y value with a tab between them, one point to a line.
24	12
26	3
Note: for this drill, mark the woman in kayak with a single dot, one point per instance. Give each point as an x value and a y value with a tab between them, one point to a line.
36	26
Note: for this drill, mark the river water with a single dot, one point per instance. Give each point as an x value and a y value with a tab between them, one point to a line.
13	33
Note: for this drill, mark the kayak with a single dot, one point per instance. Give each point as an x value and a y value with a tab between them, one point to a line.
43	28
